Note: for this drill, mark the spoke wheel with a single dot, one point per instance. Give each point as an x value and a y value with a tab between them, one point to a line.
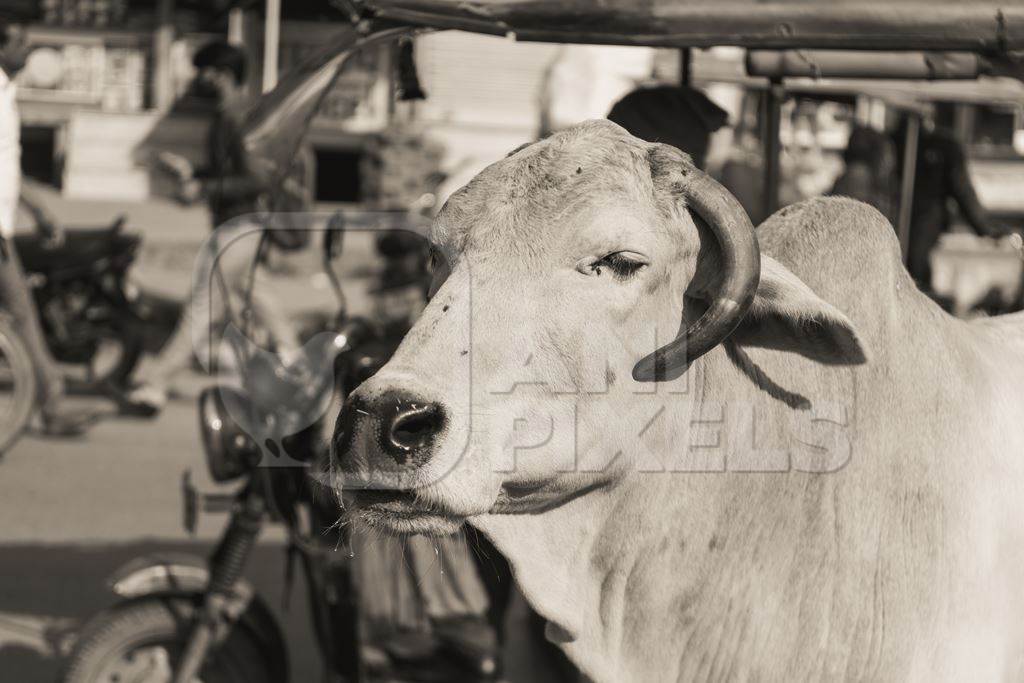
142	642
17	385
144	665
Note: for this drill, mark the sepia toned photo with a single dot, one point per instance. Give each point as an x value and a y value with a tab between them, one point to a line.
511	341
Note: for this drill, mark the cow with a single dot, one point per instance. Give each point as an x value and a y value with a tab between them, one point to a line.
707	453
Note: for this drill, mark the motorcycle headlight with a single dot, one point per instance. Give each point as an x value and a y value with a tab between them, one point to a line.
230	452
365	366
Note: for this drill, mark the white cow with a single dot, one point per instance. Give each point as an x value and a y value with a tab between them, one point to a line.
823	481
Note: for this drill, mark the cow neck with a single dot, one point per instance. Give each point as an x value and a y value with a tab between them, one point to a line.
603	567
574	563
551	557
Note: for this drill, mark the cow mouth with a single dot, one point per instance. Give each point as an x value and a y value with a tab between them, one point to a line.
399	512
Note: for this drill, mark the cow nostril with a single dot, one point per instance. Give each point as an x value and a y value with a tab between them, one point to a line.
412	426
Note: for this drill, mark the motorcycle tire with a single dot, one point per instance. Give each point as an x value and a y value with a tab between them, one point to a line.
141	640
18	385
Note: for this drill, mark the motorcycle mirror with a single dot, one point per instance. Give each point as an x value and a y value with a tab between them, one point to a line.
334	236
118	224
334	242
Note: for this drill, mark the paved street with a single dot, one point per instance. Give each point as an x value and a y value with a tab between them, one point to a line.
73	512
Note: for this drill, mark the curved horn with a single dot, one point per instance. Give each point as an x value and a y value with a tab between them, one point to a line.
741	271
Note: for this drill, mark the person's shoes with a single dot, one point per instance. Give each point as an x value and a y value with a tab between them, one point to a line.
65	424
142	401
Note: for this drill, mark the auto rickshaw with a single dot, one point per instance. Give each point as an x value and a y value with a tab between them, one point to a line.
909	39
972	275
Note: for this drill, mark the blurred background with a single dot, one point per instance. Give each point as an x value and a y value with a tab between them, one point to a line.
108	83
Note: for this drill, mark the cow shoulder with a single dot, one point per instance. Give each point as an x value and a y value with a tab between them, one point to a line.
834	244
830	267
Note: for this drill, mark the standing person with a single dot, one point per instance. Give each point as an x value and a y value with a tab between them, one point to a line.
940	175
15	297
235	192
869	175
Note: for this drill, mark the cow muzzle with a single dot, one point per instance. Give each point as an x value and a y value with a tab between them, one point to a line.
386	436
380	447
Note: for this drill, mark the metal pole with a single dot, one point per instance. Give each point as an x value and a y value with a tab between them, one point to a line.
772	124
907	186
685	66
163	37
236	26
271	43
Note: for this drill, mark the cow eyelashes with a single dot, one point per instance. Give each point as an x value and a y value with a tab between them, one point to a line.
619	265
438	269
434	259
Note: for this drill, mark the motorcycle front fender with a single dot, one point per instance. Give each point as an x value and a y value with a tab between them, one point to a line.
181	575
174	574
186	575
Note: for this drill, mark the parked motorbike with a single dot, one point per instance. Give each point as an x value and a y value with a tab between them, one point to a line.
92	318
182	619
18	384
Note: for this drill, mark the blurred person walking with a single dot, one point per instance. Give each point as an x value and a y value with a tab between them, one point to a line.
940	175
870	172
236	193
15	296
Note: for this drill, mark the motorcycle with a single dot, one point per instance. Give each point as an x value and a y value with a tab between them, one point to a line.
93	319
183	619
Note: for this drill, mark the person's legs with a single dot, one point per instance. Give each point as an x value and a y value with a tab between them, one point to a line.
244	276
245	281
272	314
16	300
448	580
155	376
495	574
234	251
191	337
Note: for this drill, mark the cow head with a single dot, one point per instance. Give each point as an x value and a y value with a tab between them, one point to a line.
570	278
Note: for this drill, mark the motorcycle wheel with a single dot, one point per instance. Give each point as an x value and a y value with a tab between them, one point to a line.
17	385
141	642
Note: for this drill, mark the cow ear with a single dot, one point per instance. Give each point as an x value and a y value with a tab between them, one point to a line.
787	316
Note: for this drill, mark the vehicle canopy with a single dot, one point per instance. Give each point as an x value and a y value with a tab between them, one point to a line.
967	39
833	24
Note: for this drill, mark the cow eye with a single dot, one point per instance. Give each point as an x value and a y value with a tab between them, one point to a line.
437	267
620	265
433	258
